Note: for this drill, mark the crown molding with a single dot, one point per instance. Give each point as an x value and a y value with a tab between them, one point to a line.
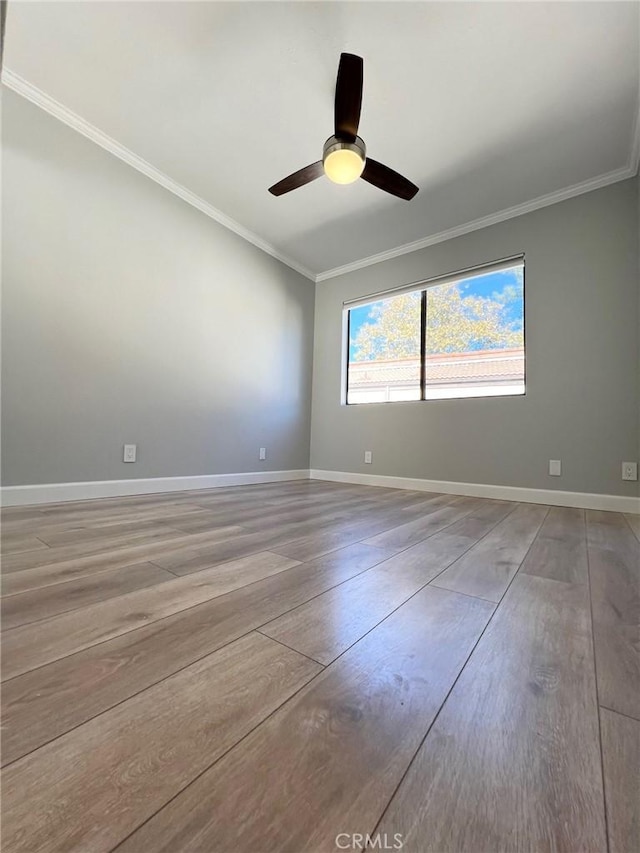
484	221
19	85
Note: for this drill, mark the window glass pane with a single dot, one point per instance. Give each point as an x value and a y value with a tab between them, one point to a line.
384	350
475	336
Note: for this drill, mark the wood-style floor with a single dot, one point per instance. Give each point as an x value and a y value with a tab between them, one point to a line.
292	667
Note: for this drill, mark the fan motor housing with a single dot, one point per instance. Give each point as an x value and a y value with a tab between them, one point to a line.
334	143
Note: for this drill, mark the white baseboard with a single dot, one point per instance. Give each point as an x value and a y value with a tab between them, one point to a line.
55	492
59	492
582	500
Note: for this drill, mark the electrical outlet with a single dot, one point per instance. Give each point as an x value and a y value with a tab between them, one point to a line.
629	470
555	467
263	453
368	457
129	453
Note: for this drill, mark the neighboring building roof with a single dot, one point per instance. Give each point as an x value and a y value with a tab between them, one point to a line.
506	365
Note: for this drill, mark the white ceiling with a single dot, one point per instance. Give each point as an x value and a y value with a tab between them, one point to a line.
485	106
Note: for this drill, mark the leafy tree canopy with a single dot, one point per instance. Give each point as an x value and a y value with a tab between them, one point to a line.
456	322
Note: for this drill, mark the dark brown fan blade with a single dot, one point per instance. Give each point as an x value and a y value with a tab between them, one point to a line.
348	96
298	179
386	179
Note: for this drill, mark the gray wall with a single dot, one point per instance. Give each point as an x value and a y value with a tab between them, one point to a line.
128	316
582	403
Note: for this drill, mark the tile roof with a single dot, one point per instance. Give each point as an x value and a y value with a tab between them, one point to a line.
444	368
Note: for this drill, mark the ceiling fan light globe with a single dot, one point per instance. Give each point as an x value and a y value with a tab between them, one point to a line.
343	166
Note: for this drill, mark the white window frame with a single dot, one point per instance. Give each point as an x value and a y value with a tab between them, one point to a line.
419	286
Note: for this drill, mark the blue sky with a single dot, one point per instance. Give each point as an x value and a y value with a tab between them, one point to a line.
483	285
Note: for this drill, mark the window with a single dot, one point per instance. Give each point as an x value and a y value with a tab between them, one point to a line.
384	350
460	335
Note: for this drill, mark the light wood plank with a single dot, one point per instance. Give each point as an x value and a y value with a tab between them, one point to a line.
156	535
633	520
351	502
332	512
487	569
560	549
19	513
253	519
256	516
326	626
107	506
279	494
329	759
89	789
340	535
52	600
33	559
90	517
479	521
105	534
512	763
286	538
83	688
43	704
614	568
189	560
16	543
411	532
621	759
122	507
115	558
34	645
634	523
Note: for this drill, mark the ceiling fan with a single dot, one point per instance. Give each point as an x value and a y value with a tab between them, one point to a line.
344	157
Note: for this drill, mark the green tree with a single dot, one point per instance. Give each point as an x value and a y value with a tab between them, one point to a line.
455	323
